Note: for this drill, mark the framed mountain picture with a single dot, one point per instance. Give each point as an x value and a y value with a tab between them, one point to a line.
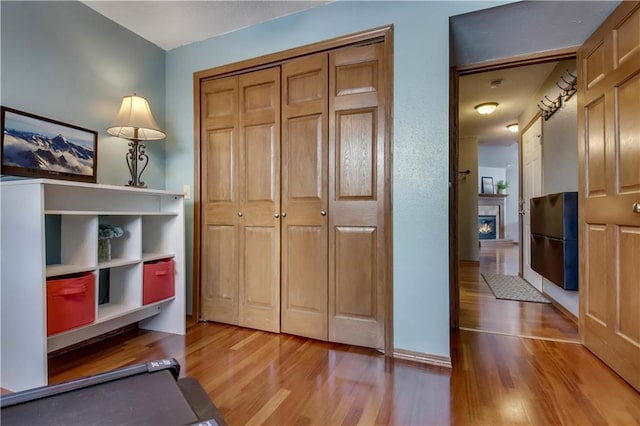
34	146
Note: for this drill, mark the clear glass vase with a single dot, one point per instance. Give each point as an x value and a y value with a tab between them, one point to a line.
104	250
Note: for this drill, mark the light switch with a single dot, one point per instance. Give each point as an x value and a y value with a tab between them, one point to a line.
186	190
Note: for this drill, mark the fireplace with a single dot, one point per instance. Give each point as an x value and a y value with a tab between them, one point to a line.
491	212
487	229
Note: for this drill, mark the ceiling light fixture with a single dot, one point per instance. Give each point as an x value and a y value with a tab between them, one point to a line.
486	108
513	127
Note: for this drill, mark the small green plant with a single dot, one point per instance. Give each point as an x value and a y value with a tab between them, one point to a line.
502	185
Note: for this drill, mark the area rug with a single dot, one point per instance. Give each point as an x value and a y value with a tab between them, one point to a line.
512	287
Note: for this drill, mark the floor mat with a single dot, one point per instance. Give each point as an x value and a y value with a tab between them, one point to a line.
512	287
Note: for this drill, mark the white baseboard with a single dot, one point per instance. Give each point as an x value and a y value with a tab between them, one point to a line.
437	360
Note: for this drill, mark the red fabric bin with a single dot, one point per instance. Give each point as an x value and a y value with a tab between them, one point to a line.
159	282
71	302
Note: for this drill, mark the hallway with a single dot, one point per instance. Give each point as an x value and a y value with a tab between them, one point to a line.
481	311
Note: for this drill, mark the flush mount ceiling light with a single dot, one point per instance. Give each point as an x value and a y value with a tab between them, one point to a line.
494	84
513	127
486	108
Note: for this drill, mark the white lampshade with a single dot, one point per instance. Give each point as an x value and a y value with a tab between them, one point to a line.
135	121
486	108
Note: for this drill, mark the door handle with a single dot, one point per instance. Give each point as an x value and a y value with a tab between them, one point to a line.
240	214
636	207
323	213
284	214
276	215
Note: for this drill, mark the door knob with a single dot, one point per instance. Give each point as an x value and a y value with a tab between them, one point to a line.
636	207
240	214
276	215
323	213
284	214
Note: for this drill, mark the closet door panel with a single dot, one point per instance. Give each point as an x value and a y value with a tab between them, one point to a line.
304	301
260	160
305	159
259	199
357	270
304	196
220	291
356	296
259	294
356	154
219	198
219	165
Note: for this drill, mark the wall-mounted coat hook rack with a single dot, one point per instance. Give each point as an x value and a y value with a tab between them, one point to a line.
568	88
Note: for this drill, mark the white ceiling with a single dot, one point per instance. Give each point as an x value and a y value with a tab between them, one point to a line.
171	24
519	85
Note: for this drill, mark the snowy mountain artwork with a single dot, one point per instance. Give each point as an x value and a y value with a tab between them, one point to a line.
39	147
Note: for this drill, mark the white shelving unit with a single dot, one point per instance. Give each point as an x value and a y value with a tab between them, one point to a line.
49	229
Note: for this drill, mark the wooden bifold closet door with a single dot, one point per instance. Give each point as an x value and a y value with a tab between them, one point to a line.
240	187
305	108
293	197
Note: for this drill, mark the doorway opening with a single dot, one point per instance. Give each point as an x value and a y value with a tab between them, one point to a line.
492	236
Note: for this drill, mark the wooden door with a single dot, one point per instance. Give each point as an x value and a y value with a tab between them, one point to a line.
357	266
531	187
609	165
258	185
219	198
304	196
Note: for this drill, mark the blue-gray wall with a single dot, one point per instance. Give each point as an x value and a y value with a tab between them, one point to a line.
64	61
420	138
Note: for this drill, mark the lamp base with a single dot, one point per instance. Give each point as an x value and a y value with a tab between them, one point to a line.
136	152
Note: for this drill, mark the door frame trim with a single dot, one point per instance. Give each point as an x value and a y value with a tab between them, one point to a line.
382	34
521	179
454	144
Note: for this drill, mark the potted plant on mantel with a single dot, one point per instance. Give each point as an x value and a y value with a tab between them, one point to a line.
502	186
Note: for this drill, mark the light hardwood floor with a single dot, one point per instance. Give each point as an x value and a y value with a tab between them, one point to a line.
256	377
481	311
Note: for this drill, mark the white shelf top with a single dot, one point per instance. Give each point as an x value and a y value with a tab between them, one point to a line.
99	186
146	257
108	213
62	269
112	310
115	262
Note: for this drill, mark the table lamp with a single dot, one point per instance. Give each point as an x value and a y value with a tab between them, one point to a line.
136	123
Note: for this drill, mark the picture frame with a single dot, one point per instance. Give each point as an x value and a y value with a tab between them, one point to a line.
487	185
39	147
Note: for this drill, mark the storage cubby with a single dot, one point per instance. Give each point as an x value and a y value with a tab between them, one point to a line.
158	281
70	302
74	242
50	233
127	247
156	234
125	291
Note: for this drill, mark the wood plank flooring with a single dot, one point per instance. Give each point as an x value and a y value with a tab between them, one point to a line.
481	311
255	377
